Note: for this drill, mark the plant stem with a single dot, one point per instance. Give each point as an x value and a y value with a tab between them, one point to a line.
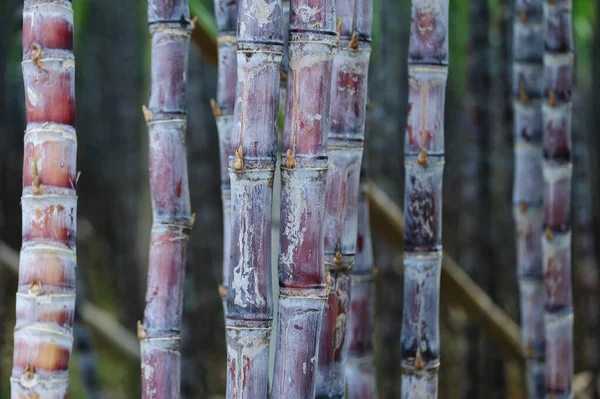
252	166
45	301
170	29
557	170
345	149
226	16
528	184
424	160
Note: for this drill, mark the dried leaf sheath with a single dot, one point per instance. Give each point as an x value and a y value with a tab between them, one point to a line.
226	16
166	117
557	170
345	148
528	48
252	167
45	301
302	284
424	160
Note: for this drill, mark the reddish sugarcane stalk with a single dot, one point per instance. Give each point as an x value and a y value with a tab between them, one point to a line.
345	148
302	282
360	367
45	303
528	49
424	160
557	170
226	17
252	167
170	28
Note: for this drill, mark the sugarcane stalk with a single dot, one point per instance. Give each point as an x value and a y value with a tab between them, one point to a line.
45	301
360	367
170	27
252	166
424	160
226	17
302	282
557	171
345	147
527	89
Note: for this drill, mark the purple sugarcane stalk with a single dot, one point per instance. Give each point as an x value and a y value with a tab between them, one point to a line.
557	170
45	303
345	150
528	49
360	367
170	28
302	282
424	160
252	166
226	12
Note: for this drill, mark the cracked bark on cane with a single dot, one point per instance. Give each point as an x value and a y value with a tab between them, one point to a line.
424	160
172	220
45	302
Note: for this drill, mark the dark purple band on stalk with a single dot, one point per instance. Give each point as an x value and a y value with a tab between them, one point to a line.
429	33
360	325
557	132
558	26
559	354
558	77
557	197
557	272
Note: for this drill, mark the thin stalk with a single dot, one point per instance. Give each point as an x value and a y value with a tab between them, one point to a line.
558	170
226	17
45	303
424	160
302	282
345	150
170	28
252	168
528	183
360	367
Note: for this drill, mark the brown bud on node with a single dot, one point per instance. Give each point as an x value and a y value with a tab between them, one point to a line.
376	272
338	30
192	220
217	111
523	97
193	23
222	292
35	288
338	259
141	333
283	76
28	377
328	283
370	105
290	160
238	164
354	41
528	352
523	206
523	16
147	113
422	158
77	177
36	56
419	363
552	98
36	187
549	234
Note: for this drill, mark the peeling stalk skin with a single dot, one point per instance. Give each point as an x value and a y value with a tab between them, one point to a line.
45	302
528	51
345	149
360	367
226	17
424	160
170	28
302	283
557	170
252	166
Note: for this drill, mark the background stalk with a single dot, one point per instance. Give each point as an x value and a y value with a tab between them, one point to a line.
345	148
424	160
226	17
45	303
302	283
528	183
252	167
170	29
557	170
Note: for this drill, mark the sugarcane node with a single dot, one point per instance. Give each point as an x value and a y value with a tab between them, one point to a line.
28	377
222	292
238	164
523	16
552	98
523	206
290	160
193	23
141	333
35	288
283	76
217	111
354	41
419	363
523	97
422	158
549	234
147	113
36	56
